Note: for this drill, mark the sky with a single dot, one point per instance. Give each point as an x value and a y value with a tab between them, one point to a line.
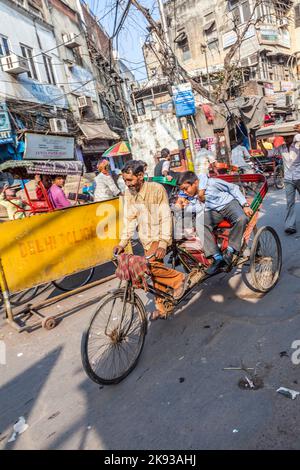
133	33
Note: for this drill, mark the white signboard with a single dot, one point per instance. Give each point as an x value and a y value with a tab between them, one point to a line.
48	147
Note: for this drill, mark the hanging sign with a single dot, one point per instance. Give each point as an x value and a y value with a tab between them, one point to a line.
184	100
5	126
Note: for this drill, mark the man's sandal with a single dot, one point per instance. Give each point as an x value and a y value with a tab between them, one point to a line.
157	315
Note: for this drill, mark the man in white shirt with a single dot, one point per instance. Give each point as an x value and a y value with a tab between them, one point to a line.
238	155
290	153
203	159
163	168
105	185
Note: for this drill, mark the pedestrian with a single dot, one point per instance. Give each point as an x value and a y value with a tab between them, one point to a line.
290	153
105	186
204	159
46	181
56	193
13	204
120	182
239	154
163	168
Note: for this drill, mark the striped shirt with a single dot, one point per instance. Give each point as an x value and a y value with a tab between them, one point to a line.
105	188
148	210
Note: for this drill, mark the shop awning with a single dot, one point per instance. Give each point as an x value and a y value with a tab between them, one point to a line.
251	110
97	130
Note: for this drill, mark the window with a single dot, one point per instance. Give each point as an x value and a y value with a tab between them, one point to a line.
182	43
211	35
105	110
265	13
186	53
4	47
27	53
77	55
36	7
49	69
140	108
241	12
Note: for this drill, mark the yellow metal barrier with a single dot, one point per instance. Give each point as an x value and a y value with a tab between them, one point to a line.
48	246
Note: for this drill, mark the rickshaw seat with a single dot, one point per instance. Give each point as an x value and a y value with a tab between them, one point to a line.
225	224
40	206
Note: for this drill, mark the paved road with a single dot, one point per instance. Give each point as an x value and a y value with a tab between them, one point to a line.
224	324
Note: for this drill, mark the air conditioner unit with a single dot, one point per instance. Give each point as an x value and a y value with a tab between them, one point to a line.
14	64
71	40
58	125
84	101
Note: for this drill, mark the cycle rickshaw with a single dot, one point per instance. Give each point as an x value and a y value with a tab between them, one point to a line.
114	339
270	167
26	170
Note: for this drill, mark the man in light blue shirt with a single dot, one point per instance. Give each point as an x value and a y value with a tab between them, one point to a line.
223	201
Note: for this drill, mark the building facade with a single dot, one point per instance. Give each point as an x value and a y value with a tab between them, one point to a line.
53	81
202	32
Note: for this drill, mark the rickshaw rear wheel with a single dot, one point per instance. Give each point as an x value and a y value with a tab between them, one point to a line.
265	260
62	284
113	342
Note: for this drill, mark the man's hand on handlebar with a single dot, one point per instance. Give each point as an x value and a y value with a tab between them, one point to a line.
118	250
160	253
248	211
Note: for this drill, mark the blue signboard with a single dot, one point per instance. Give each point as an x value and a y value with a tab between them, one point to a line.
184	100
5	127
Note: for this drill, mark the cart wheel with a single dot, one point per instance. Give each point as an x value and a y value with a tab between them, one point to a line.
23	297
113	342
279	177
49	323
265	260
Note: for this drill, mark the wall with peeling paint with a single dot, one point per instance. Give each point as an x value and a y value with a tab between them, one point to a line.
147	138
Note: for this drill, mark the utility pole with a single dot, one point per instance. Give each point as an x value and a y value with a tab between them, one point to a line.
168	51
204	51
164	22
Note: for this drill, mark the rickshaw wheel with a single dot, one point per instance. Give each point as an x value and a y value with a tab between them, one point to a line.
279	177
66	285
49	323
23	297
265	260
113	342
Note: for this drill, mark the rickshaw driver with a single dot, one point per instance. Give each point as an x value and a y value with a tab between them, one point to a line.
222	200
146	206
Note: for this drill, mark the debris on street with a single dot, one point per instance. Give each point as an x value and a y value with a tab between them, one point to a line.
288	393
